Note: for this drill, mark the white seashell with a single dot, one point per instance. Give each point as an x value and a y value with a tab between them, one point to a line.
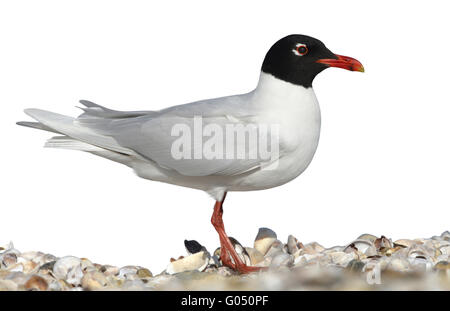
197	261
264	240
69	269
128	272
240	250
361	245
367	237
422	251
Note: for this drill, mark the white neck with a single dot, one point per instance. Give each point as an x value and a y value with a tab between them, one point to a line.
273	93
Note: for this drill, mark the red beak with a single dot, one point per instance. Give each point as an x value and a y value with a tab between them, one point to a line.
344	62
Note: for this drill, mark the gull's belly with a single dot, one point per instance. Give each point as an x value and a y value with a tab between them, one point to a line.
289	167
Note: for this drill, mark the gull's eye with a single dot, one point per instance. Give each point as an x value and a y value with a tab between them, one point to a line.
300	49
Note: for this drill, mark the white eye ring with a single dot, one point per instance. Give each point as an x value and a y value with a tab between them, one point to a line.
297	47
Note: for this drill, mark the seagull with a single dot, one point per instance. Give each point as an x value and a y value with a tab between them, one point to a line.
171	145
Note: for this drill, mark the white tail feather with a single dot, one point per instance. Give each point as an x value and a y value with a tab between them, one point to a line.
65	142
69	127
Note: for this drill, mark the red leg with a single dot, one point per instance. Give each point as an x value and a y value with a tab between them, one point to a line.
226	247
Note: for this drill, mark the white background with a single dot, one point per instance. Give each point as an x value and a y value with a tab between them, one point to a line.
383	162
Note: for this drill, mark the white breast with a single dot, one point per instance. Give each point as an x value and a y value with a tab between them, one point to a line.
296	110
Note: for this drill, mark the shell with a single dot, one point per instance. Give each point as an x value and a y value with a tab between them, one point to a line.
383	243
367	237
264	240
144	273
192	246
94	280
128	273
36	282
197	261
240	250
362	246
255	256
405	243
8	259
69	269
421	251
292	244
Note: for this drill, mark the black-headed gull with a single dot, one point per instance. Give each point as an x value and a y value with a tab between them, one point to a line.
253	141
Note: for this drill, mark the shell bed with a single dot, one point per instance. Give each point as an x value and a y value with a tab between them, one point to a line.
367	263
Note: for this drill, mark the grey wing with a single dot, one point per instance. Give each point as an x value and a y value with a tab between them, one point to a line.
159	137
